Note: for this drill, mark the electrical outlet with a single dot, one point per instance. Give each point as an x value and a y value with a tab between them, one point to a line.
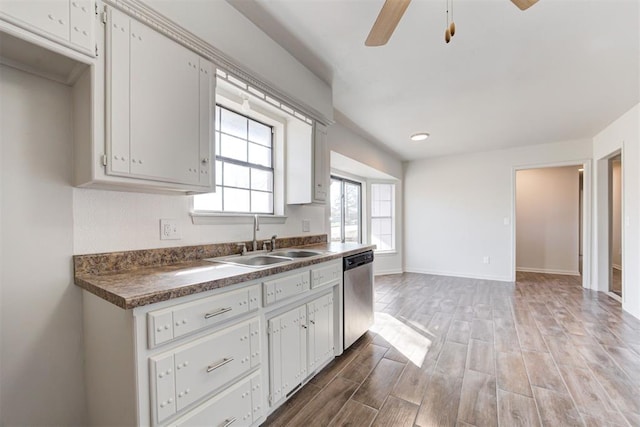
169	229
486	260
306	225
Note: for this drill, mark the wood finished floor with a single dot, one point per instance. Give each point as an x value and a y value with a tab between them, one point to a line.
460	352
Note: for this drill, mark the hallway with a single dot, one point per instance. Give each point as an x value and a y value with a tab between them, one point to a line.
461	352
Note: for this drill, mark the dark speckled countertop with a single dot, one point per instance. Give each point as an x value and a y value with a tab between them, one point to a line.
138	285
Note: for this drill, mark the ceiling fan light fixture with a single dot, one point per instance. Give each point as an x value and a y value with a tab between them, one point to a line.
420	136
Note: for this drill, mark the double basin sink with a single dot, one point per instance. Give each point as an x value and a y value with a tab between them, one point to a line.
267	258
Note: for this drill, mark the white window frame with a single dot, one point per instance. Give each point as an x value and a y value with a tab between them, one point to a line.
223	161
229	97
351	179
394	219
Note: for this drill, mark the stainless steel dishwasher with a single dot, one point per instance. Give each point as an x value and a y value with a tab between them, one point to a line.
358	296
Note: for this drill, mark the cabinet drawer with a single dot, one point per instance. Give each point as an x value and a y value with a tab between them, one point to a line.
184	375
213	361
239	405
328	275
285	287
170	323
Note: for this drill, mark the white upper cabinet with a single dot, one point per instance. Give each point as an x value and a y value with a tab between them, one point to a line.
159	107
307	164
320	164
70	22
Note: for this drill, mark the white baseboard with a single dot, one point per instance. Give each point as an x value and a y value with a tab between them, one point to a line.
457	274
385	272
617	267
548	271
615	296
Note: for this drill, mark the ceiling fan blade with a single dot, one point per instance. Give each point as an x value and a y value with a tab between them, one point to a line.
387	20
524	4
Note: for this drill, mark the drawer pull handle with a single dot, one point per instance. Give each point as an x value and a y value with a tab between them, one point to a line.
219	364
229	421
217	312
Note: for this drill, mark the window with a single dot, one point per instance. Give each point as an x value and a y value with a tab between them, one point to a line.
382	216
244	166
345	210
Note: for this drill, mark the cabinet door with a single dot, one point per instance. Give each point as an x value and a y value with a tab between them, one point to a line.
207	91
165	103
48	16
320	316
287	352
81	23
118	107
320	164
160	104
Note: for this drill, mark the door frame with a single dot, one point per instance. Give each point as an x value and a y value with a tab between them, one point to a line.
603	253
587	212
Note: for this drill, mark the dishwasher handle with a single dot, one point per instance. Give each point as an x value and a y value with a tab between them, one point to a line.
358	260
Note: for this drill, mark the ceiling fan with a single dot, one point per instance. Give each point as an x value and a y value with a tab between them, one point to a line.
392	11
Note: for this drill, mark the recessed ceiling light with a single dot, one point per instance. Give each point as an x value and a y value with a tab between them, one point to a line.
419	136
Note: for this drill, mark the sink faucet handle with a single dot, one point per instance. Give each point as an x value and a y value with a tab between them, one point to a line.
273	242
244	247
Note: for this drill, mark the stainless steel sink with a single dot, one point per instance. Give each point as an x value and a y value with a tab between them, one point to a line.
266	258
252	260
296	253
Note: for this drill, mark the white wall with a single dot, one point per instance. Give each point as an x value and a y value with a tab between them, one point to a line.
456	208
106	221
342	140
616	212
41	337
218	23
547	220
623	134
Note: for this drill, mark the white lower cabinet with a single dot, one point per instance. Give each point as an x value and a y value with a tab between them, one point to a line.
287	352
320	315
300	341
189	372
285	287
239	405
201	359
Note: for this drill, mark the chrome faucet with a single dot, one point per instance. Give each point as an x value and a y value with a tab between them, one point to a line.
256	227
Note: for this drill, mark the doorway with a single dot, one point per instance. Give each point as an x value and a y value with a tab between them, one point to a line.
549	220
615	225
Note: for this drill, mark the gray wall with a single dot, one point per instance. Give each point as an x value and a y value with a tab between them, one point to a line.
41	336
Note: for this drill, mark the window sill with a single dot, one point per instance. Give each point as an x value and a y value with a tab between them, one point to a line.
386	253
211	218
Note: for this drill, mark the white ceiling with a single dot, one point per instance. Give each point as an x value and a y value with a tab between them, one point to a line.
562	70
